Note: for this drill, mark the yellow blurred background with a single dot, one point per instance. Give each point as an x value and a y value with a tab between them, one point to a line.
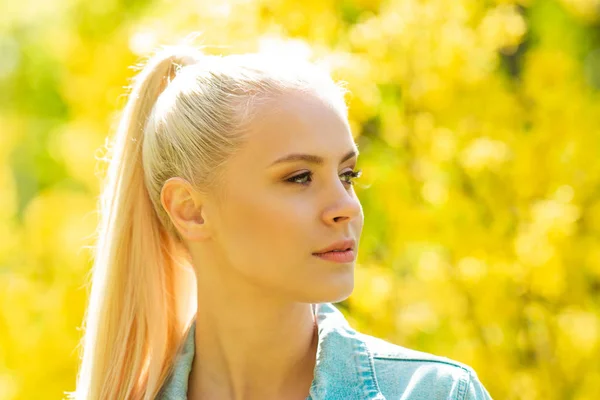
479	129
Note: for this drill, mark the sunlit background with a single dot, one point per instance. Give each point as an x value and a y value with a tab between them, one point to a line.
479	129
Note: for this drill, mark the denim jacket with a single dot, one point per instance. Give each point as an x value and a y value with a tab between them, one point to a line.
351	365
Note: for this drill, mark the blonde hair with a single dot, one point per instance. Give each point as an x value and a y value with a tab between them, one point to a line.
186	115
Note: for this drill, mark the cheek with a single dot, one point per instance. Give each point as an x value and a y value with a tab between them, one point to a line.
264	229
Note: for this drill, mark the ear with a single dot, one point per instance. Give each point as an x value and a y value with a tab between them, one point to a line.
185	208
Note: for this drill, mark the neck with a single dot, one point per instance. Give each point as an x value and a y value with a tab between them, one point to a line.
242	353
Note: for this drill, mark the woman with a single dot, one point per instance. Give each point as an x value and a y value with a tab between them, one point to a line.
229	227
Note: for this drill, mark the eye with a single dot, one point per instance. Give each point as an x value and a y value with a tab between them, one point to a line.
301	178
352	175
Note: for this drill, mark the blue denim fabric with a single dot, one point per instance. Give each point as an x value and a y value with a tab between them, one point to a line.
351	365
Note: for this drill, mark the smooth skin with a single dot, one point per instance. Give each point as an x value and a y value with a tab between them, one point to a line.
252	248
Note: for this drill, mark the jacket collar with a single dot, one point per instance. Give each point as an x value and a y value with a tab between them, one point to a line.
344	365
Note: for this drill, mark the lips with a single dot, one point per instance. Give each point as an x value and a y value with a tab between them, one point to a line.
337	256
341	245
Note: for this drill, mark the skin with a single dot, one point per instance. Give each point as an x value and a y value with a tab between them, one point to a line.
252	252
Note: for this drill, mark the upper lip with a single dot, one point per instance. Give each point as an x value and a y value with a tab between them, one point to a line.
339	245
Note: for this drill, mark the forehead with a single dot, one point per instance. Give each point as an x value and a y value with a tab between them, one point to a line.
300	123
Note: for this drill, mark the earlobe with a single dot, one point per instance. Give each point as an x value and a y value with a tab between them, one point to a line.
197	228
194	219
198	217
184	209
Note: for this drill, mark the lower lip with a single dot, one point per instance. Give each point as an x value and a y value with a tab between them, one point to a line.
337	256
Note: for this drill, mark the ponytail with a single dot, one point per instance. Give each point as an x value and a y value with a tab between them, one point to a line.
142	297
143	292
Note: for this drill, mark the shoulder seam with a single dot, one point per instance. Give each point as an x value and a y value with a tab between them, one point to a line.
396	358
372	369
464	379
464	386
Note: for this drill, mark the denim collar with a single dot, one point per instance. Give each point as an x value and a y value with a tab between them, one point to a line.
344	365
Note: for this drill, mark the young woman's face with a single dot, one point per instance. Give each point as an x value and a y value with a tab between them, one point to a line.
275	215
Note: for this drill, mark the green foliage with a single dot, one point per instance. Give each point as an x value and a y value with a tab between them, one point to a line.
479	133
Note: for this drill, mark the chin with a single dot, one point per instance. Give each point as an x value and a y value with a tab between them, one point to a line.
332	293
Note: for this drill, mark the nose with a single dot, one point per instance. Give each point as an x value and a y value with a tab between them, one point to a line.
344	208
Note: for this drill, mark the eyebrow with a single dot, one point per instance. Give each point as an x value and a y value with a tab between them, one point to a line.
312	158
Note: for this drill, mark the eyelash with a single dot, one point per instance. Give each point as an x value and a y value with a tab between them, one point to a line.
350	174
